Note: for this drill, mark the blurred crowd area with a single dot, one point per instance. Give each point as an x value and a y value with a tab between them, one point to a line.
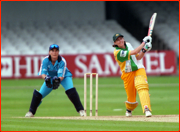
29	27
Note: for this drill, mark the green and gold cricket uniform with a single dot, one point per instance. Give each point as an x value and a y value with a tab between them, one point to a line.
134	77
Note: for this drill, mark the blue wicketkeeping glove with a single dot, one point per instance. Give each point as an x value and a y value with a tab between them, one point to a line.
48	81
56	82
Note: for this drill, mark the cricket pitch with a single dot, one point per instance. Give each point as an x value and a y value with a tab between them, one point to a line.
154	118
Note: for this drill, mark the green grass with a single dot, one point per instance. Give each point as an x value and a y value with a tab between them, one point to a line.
16	97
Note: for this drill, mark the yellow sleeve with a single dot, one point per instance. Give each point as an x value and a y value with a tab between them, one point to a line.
129	55
116	52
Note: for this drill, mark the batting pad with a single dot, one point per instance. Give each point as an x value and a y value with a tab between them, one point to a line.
131	105
141	85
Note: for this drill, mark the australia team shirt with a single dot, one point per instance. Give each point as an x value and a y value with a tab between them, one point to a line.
126	61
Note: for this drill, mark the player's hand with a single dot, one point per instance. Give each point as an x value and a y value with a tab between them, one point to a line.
56	82
147	39
48	81
147	47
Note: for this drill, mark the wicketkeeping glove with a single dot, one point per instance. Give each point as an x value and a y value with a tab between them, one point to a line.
48	81
56	82
147	39
147	47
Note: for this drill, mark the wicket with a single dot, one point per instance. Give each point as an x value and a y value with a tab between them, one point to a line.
91	93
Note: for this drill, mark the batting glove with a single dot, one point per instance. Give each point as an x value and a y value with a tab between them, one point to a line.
56	82
48	81
147	39
147	47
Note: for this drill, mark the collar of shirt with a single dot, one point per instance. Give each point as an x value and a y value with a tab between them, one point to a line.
122	48
59	58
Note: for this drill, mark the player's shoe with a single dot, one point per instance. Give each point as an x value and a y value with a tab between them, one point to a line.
81	113
128	114
147	111
29	114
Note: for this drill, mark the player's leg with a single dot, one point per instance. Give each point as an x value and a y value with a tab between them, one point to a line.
72	94
131	102
142	87
37	99
44	90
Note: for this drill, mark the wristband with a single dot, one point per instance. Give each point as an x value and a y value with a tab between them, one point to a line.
143	50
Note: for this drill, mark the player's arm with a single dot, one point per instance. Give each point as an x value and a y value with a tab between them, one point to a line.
145	46
43	69
43	72
60	74
138	49
61	78
140	55
43	76
62	69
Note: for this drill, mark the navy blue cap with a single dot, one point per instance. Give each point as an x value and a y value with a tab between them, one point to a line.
52	46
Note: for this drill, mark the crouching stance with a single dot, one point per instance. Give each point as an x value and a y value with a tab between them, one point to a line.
54	72
133	72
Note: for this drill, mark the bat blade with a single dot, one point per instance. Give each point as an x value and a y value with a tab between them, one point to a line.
151	24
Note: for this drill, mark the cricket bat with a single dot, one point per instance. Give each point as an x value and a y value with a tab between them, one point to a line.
151	24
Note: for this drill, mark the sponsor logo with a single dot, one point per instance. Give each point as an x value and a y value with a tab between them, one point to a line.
60	71
123	53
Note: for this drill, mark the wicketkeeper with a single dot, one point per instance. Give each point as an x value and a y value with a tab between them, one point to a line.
133	72
54	72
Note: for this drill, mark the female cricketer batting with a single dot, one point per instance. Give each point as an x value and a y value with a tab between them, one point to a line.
133	72
54	71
